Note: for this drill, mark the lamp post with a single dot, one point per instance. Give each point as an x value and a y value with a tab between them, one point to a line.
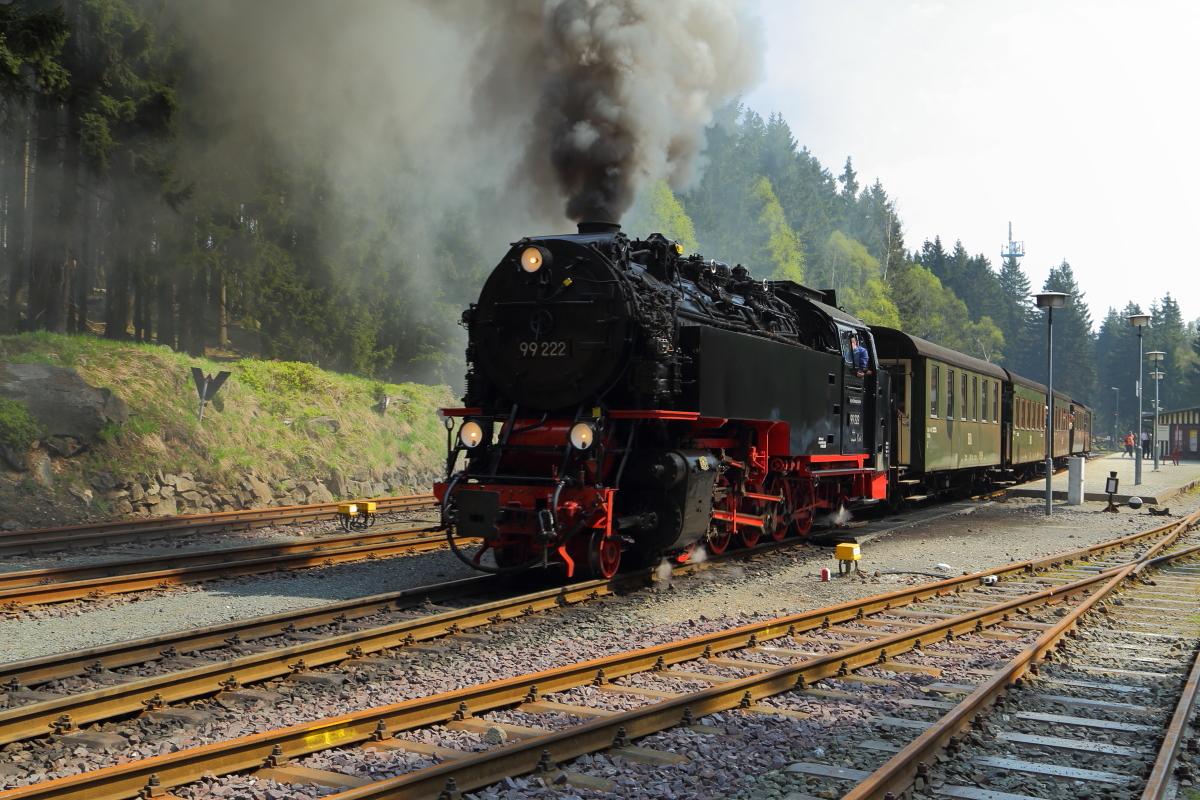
1117	416
1156	357
1139	321
1050	301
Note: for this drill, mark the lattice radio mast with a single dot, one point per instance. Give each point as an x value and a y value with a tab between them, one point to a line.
1015	250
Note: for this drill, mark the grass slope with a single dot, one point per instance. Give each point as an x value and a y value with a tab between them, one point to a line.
263	418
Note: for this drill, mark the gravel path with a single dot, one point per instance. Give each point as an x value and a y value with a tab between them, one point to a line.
75	626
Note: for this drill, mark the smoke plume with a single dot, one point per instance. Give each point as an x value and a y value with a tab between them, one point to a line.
630	87
390	150
564	107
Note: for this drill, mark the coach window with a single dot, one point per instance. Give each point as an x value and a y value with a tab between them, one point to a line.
984	415
965	396
949	394
974	398
934	383
996	402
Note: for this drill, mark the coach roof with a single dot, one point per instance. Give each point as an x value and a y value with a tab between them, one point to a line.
906	346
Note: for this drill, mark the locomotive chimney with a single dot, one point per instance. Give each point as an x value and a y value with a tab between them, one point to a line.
596	227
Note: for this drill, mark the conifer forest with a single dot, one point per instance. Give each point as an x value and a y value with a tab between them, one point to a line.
160	183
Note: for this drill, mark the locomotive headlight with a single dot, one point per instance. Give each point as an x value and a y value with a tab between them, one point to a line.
470	434
582	436
534	258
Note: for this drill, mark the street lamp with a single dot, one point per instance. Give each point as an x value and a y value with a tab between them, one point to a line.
1050	301
1116	416
1156	357
1139	321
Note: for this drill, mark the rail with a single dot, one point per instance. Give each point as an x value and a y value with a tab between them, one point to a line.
42	540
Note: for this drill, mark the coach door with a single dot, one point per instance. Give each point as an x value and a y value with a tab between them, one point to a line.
899	403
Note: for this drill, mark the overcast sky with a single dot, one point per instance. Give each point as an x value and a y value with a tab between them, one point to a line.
1077	121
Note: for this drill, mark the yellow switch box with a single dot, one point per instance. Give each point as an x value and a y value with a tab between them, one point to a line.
368	506
347	508
847	551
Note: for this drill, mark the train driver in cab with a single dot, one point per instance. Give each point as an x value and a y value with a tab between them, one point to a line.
858	355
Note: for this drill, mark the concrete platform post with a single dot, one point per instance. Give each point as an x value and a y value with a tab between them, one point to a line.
1075	480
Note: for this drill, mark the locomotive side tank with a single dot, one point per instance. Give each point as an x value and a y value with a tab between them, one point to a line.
624	398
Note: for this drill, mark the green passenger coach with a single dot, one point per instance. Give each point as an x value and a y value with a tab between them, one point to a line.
948	409
962	425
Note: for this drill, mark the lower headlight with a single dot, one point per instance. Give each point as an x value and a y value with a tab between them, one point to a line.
582	436
470	434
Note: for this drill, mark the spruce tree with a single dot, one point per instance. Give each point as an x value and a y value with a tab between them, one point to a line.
1016	319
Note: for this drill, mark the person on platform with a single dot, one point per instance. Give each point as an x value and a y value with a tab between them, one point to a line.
1145	443
1130	443
859	358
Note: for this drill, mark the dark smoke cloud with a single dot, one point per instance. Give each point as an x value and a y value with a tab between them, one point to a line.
631	86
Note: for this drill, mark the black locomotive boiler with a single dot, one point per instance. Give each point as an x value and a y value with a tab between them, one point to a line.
625	401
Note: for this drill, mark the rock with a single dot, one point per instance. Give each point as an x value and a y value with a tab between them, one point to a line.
184	483
12	525
40	467
61	401
337	485
82	494
191	497
122	507
167	507
167	491
327	422
495	735
320	495
103	483
136	492
113	497
260	490
168	480
65	446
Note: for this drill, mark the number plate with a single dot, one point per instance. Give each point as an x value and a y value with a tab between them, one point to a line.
549	349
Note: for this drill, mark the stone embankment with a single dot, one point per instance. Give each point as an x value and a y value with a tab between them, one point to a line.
164	494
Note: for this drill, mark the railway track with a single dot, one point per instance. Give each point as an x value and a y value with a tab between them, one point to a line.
20	590
69	537
852	644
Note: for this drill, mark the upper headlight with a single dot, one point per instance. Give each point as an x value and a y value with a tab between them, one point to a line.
534	258
582	435
470	434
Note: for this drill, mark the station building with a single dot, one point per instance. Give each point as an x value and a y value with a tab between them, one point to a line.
1183	432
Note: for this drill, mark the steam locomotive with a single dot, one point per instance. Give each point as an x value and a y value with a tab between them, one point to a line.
626	402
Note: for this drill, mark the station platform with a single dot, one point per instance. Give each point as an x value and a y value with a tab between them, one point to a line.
1156	488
